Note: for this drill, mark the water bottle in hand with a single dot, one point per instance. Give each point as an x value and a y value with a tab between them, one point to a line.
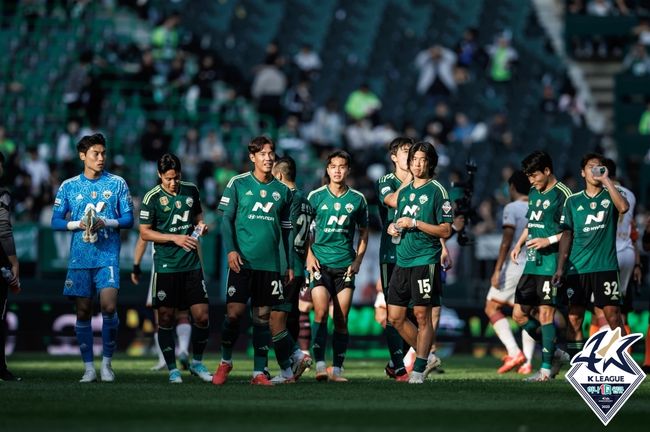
398	238
198	230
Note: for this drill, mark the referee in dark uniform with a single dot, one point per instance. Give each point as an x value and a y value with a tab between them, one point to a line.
9	279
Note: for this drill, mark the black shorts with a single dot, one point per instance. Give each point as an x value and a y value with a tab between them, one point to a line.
536	290
292	290
178	290
417	286
334	279
261	287
604	286
386	273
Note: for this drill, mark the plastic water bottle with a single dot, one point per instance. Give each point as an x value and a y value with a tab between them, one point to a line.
398	238
7	274
531	254
195	234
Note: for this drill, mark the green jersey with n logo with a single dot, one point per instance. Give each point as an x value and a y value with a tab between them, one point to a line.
427	203
387	185
593	221
336	220
302	214
260	211
172	214
544	213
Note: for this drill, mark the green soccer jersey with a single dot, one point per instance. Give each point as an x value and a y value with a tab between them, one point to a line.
260	211
172	214
427	203
336	220
593	222
302	214
387	185
544	214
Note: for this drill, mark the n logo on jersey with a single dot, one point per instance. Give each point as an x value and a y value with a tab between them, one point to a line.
410	210
334	220
178	218
264	207
536	215
598	218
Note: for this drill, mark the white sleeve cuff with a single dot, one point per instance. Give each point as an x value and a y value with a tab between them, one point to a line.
111	223
73	225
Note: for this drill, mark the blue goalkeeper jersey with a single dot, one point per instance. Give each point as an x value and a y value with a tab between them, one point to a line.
110	197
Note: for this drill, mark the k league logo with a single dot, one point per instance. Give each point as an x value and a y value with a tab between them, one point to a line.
604	374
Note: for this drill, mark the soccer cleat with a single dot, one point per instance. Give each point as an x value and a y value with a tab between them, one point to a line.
299	367
432	365
221	375
416	378
559	359
107	373
199	370
509	363
525	369
390	371
280	379
175	377
261	380
184	360
158	367
538	377
336	376
89	376
321	373
6	375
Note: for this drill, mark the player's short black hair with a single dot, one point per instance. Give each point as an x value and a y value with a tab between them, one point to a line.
167	162
340	154
611	167
90	140
430	151
398	143
257	144
520	182
536	161
589	156
287	166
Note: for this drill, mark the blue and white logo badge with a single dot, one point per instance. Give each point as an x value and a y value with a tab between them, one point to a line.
604	374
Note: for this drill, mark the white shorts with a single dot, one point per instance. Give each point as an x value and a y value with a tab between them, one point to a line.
626	259
505	292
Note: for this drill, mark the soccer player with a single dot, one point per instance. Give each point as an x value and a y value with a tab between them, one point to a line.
183	326
645	240
302	215
172	218
588	248
423	217
506	275
545	200
388	187
9	280
99	204
333	262
256	217
629	261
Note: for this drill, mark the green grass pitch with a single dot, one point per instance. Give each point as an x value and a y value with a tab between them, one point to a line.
469	396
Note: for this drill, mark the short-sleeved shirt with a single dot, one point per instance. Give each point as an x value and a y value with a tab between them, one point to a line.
625	222
172	214
593	221
302	214
260	211
514	216
427	203
387	185
336	221
110	197
544	214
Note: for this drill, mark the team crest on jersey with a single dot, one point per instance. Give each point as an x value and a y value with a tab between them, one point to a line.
276	195
593	206
107	194
93	194
538	203
604	374
163	200
446	207
69	283
411	197
349	207
162	295
231	291
423	199
178	204
337	206
546	204
605	203
189	201
263	193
